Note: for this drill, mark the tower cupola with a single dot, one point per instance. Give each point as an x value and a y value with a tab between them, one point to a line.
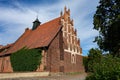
36	23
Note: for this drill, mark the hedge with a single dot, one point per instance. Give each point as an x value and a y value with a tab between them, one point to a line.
26	59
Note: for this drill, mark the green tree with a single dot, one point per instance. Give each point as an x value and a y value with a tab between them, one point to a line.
93	58
107	69
107	22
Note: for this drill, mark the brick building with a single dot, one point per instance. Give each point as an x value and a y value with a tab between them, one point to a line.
59	43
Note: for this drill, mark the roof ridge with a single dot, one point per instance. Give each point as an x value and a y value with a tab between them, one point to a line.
49	21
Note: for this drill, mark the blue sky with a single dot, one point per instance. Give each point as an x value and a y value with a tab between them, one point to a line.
16	15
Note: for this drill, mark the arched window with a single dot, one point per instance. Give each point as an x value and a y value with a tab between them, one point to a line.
73	58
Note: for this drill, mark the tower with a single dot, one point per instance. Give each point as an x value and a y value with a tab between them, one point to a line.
36	23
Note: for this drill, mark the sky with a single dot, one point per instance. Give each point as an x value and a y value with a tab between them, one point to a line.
16	15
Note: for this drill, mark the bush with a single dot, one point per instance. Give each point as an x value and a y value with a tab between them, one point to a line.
26	59
107	69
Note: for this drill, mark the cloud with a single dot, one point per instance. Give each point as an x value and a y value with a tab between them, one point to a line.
15	19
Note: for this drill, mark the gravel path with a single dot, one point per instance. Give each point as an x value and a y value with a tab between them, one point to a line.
62	77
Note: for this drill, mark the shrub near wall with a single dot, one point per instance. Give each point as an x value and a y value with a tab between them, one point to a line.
107	69
26	59
102	67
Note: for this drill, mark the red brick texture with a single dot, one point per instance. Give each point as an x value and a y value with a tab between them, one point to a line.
5	65
54	62
53	54
73	67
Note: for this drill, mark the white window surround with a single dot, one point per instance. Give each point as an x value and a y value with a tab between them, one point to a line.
73	58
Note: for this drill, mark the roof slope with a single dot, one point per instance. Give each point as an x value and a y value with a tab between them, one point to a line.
4	49
40	37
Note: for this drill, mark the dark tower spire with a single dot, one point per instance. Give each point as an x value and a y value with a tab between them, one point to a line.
36	23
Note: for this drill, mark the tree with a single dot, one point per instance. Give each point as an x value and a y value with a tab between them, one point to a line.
94	57
107	22
107	69
102	67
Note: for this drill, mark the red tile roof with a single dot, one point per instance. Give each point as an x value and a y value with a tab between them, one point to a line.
4	49
6	46
1	46
40	37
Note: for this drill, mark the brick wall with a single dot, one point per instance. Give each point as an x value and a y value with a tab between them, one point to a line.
1	64
5	65
73	67
54	64
53	53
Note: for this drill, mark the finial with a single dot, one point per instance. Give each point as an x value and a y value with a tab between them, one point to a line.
75	31
69	11
72	22
37	16
61	13
65	9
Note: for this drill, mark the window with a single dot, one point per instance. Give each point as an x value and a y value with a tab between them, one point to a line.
77	49
73	58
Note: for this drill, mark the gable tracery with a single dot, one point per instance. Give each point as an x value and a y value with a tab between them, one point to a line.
71	40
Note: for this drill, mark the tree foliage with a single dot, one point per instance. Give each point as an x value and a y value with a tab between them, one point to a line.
94	57
26	59
102	67
107	69
107	22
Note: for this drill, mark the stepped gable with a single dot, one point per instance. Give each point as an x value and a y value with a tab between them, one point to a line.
40	37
